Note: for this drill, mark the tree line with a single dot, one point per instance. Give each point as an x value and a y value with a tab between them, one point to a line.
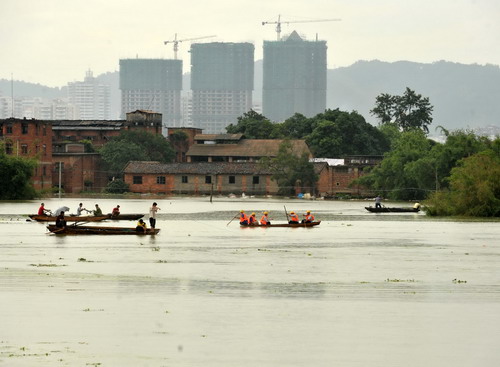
457	177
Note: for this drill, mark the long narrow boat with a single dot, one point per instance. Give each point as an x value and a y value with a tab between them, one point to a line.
294	225
74	229
391	210
125	216
69	218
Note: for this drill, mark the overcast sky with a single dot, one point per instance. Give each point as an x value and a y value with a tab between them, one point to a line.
53	42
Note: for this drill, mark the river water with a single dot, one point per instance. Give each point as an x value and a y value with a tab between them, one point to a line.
361	289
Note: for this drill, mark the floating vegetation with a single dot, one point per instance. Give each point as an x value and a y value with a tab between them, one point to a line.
46	265
84	260
400	280
162	261
157	248
458	281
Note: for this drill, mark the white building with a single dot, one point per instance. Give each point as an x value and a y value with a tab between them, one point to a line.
91	98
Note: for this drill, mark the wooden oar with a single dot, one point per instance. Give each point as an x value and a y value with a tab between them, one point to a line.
232	220
286	213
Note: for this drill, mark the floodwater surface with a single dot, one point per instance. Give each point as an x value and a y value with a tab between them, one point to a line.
361	289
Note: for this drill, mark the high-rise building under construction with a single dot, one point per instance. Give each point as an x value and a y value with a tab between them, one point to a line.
221	84
154	85
294	77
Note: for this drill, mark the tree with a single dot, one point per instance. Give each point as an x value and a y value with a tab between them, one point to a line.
116	186
337	133
289	170
253	125
15	177
398	175
474	188
117	153
409	111
135	146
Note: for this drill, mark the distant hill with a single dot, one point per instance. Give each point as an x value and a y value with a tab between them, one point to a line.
463	96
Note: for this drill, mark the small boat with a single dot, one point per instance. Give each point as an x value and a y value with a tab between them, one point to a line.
75	229
386	209
125	216
293	225
69	218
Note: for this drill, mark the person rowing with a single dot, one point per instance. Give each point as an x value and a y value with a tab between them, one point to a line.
294	218
43	211
243	218
252	220
308	217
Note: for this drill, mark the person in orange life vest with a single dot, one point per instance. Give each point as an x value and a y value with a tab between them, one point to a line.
264	221
294	218
243	218
308	217
252	219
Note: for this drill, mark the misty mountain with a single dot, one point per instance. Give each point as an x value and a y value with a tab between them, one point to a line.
463	96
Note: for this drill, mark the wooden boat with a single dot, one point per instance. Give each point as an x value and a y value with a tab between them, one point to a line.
74	229
69	218
391	210
312	224
125	216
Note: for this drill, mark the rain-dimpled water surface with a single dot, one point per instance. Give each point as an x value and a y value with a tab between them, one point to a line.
361	289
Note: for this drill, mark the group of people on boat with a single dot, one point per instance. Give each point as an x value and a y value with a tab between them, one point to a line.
251	220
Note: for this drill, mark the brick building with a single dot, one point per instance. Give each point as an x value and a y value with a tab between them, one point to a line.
199	178
30	138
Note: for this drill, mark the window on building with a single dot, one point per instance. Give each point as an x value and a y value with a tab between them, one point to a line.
137	180
59	165
24	149
160	180
184	179
208	179
24	128
9	129
44	171
8	148
232	179
44	148
256	180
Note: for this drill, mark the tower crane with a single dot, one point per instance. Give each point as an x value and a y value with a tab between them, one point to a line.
176	42
279	23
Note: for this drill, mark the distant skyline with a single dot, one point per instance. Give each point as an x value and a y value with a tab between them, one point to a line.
53	42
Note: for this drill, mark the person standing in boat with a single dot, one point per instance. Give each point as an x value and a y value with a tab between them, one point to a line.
264	221
80	209
294	218
43	211
309	218
97	211
141	226
116	211
152	215
60	221
243	218
378	202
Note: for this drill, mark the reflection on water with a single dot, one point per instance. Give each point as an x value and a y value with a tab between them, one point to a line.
362	289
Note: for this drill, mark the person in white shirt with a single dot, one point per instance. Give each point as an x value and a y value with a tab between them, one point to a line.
152	215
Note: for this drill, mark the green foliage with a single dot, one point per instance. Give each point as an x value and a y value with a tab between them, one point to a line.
289	170
333	133
15	177
135	146
337	133
398	175
117	186
178	136
116	154
253	125
409	111
89	147
474	188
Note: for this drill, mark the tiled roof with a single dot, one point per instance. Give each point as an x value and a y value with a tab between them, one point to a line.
195	168
246	148
220	137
